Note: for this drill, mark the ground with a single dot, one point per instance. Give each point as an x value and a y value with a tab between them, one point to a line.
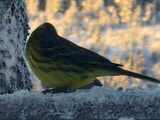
95	103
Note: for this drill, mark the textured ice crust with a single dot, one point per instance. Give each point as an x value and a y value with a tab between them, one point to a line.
14	74
96	103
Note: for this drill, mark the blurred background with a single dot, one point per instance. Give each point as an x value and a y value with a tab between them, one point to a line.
124	31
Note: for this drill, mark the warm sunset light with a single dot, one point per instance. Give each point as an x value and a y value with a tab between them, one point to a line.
113	29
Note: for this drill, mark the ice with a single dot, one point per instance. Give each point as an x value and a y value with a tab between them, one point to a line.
13	34
96	103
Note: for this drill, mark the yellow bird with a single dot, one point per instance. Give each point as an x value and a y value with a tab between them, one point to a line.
61	64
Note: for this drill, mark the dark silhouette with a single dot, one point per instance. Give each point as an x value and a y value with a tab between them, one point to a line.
59	63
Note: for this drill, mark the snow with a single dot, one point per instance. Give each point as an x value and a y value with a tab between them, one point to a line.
96	103
13	34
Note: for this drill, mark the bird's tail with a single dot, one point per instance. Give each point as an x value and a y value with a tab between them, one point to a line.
140	76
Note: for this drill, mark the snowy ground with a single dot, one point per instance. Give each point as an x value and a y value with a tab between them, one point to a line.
96	103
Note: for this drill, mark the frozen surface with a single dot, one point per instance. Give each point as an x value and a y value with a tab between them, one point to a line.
96	103
14	74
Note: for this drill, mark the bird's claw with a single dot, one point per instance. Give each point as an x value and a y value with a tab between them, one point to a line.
57	90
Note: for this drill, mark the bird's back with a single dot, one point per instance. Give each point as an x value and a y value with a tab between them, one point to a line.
56	59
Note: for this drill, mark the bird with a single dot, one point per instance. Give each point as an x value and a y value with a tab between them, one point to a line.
61	64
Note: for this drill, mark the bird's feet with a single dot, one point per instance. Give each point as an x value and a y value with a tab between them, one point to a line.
94	83
57	90
68	90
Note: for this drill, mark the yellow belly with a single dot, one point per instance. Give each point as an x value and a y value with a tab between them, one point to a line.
59	79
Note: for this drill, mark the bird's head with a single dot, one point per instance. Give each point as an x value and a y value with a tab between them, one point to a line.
45	36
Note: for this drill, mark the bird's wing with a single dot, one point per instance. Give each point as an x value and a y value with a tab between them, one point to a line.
70	53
